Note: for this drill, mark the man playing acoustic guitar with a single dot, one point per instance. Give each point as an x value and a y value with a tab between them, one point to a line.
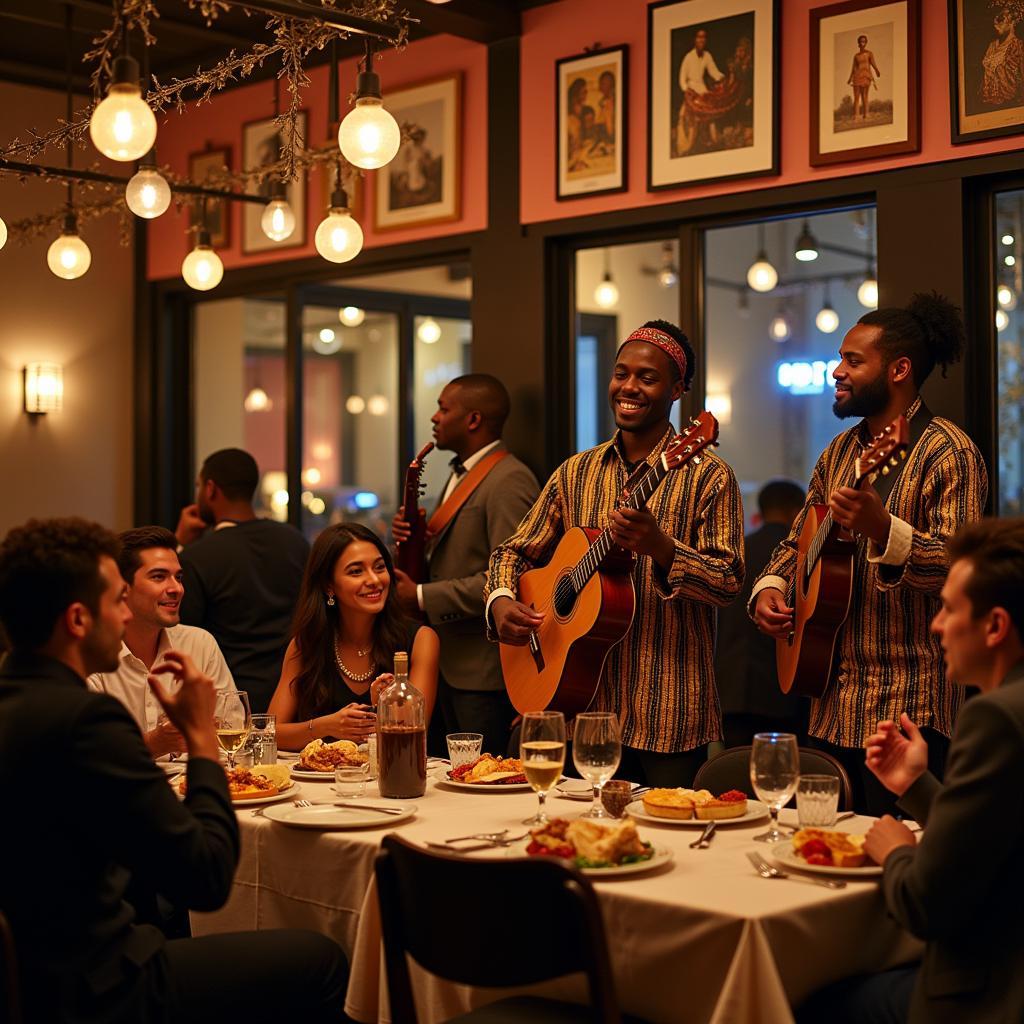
885	661
660	678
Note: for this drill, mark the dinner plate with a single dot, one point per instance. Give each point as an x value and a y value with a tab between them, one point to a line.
580	789
310	775
786	857
282	794
485	787
755	812
662	856
327	817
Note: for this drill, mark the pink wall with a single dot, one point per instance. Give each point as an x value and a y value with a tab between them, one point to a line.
563	29
220	122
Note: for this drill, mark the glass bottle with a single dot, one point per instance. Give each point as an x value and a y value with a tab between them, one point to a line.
402	750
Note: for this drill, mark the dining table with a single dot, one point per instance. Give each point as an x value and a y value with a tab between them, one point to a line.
702	937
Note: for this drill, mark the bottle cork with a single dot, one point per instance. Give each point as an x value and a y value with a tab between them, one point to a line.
401	663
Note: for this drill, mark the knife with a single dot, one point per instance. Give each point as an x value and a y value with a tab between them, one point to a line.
371	807
705	837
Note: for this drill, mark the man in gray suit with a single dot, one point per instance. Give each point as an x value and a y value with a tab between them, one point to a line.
470	417
960	888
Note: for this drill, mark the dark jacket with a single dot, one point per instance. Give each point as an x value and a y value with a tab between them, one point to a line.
962	888
242	583
87	811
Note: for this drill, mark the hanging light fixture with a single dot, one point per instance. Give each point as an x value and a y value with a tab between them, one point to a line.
429	331
1007	239
68	256
339	238
257	401
355	404
762	276
606	294
369	136
827	319
1002	320
351	316
278	220
743	303
1006	297
123	127
327	341
668	275
780	329
202	268
147	193
867	291
3	233
806	245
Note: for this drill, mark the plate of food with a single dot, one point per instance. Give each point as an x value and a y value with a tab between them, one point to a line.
260	785
318	760
333	818
825	851
595	848
691	808
487	774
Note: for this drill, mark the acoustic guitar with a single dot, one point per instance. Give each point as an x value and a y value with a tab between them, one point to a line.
822	587
587	597
409	554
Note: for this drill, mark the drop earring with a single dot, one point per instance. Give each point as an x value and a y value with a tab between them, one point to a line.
330	600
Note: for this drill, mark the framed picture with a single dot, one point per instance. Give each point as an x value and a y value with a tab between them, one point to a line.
986	69
865	80
261	145
202	170
712	103
422	185
590	129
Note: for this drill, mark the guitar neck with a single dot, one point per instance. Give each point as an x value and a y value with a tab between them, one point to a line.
828	530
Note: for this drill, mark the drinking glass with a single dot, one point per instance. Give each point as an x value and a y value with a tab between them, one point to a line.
774	772
350	780
542	751
233	721
596	752
263	740
817	800
464	747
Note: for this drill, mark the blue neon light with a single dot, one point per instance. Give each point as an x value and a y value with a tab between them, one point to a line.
806	377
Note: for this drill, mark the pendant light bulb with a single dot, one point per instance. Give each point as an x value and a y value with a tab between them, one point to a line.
278	220
867	293
606	294
257	401
351	316
429	331
3	233
827	319
369	136
123	127
147	194
1005	296
779	329
806	245
1002	320
339	238
202	268
762	276
69	257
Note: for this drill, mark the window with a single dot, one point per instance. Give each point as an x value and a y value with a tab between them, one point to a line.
1009	330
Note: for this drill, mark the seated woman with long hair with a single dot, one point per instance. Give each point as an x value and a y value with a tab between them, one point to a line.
348	626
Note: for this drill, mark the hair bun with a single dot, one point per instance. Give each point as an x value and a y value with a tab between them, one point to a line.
942	324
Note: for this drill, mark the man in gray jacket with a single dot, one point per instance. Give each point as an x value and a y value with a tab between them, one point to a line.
960	888
470	417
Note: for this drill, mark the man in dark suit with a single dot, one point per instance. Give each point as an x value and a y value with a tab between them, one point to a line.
90	812
960	888
242	576
470	417
748	685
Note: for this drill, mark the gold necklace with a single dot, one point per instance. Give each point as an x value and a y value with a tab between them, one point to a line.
356	677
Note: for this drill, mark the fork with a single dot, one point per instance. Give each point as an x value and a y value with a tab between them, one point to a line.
260	812
704	839
766	870
492	844
492	837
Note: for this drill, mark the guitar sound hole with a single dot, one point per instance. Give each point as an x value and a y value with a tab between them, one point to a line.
565	598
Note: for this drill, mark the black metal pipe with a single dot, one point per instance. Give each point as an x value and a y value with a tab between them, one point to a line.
348	22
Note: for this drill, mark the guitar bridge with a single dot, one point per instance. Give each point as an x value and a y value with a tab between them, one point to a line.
536	652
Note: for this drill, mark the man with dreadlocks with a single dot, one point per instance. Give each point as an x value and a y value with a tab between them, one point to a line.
886	662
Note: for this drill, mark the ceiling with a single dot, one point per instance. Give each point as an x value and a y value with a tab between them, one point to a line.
34	47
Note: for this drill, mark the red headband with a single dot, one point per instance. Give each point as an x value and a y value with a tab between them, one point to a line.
665	342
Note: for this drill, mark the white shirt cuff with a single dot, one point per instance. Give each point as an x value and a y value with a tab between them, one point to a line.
492	597
775	582
897	548
419	595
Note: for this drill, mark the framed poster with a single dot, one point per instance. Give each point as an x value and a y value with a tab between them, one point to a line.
204	169
423	184
712	104
261	146
865	80
590	125
986	69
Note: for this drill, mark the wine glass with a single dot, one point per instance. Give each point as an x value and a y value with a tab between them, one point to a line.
542	752
233	721
774	773
596	752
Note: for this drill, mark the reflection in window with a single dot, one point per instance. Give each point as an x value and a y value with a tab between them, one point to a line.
1009	328
778	300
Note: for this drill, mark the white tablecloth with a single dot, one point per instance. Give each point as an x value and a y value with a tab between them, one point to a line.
706	939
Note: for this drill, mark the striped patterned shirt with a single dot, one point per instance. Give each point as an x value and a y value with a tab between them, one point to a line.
887	660
660	678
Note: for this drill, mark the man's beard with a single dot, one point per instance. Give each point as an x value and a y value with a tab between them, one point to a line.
867	400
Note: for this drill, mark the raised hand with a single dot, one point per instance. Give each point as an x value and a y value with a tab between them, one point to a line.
189	709
897	760
772	615
190	525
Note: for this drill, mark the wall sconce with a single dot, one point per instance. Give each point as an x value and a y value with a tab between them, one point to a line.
44	387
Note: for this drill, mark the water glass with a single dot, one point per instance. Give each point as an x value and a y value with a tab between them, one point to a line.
464	747
350	780
596	752
263	739
817	800
774	772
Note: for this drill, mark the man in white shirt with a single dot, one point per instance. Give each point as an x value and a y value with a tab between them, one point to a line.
149	564
696	64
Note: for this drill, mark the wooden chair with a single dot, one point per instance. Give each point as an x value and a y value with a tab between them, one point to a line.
730	769
492	924
10	992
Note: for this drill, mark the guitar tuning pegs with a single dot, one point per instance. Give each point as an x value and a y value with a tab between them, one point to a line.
893	461
688	449
885	471
903	453
696	460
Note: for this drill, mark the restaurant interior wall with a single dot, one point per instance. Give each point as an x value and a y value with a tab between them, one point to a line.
77	460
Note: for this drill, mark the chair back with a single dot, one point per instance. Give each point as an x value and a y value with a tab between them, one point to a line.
489	923
10	992
730	769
